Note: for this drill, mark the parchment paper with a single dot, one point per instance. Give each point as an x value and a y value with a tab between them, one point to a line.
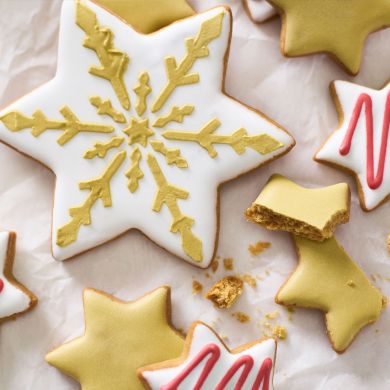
292	91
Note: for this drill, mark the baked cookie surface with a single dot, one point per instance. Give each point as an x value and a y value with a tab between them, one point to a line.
138	132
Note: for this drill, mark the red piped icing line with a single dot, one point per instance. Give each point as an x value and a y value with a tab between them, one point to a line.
364	99
212	350
1	285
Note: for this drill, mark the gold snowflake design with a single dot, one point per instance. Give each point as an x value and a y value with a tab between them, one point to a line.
137	132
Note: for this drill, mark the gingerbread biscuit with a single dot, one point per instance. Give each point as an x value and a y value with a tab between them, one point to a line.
313	213
15	299
119	338
327	279
255	362
359	144
139	133
336	27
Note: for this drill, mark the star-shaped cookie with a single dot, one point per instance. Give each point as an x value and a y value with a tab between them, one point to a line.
119	338
147	16
138	132
15	299
207	363
327	279
339	28
360	144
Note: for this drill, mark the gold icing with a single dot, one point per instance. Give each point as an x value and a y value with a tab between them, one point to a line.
313	213
113	62
321	282
196	48
172	156
104	107
239	141
119	338
100	148
148	16
334	26
38	123
142	90
176	114
168	194
134	174
139	131
99	189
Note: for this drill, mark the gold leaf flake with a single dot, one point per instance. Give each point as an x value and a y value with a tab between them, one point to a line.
172	156
100	148
196	48
104	107
176	114
99	189
113	62
239	141
168	194
134	174
38	123
142	90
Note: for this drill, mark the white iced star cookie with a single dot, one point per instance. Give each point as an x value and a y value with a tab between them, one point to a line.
207	363
260	10
138	132
361	143
15	299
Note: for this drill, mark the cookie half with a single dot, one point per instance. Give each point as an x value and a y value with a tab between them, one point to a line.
313	213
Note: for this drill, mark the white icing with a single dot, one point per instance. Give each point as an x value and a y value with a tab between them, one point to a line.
201	337
73	86
355	160
260	10
12	299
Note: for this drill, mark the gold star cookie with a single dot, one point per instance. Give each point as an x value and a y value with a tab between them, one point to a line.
312	213
333	26
327	279
119	338
147	16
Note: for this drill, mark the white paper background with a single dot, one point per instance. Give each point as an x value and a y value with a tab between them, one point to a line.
292	91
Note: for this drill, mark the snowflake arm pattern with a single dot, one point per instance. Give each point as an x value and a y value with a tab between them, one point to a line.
134	174
196	48
100	149
114	62
99	189
104	107
172	156
38	123
177	114
239	141
168	194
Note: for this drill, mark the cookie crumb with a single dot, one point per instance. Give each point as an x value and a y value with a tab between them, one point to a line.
280	332
241	317
250	280
272	315
385	301
197	287
225	292
259	247
214	265
351	283
228	264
